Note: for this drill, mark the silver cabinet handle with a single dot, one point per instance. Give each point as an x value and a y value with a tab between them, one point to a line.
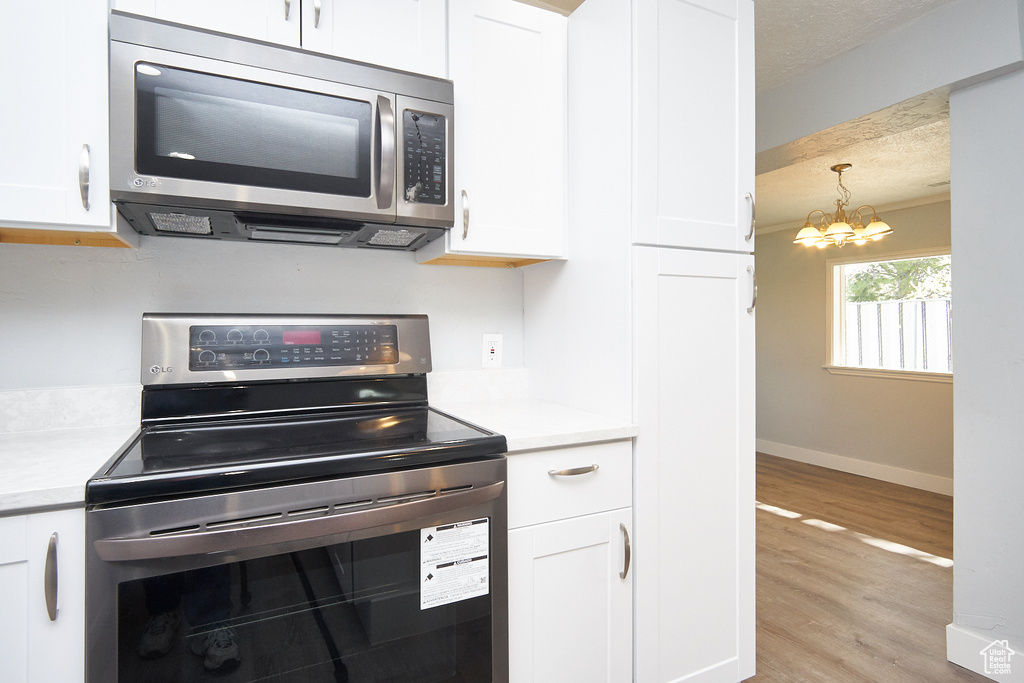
50	578
278	533
465	214
574	472
287	9
385	152
753	218
753	289
83	175
317	6
626	550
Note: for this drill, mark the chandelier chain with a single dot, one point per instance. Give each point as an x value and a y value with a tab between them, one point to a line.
843	190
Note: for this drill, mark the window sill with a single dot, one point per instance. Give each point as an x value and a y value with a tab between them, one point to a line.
882	373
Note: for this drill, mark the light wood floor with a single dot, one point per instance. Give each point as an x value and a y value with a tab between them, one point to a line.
850	582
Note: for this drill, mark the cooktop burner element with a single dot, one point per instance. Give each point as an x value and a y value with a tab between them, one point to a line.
262	415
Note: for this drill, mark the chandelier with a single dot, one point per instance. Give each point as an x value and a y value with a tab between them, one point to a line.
842	227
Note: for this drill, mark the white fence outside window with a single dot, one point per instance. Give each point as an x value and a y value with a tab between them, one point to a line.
913	334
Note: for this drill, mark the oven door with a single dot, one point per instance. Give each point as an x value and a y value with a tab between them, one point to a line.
387	577
199	132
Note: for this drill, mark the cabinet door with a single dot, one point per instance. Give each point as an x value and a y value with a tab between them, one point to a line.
694	123
32	647
694	465
570	612
276	21
507	61
401	34
53	124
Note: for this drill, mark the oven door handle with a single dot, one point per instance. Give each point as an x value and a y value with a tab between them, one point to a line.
230	540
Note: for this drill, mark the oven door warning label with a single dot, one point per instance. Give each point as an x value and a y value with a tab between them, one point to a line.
454	562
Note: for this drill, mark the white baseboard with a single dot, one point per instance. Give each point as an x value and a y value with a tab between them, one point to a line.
874	470
964	647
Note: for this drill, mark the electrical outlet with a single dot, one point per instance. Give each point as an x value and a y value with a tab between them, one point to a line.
492	351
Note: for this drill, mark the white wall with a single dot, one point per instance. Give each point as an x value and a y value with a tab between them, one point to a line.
804	411
986	137
591	291
70	316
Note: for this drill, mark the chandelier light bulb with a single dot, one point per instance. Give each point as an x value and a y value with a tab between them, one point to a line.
808	236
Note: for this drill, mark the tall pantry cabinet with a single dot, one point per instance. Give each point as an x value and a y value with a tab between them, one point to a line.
655	307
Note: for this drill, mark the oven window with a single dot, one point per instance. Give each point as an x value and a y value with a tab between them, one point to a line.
349	612
198	126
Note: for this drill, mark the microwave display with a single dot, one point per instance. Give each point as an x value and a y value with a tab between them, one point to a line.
199	126
424	157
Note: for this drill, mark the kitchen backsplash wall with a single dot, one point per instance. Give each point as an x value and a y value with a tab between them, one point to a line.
71	316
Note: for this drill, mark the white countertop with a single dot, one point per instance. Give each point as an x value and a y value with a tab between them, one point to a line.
45	468
49	468
529	424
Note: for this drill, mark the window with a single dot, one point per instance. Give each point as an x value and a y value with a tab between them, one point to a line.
892	315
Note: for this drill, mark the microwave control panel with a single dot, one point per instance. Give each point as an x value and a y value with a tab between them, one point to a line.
425	146
223	347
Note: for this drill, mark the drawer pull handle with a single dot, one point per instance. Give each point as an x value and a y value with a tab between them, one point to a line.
574	472
626	550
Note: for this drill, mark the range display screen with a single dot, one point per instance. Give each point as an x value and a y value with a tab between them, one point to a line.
222	347
300	337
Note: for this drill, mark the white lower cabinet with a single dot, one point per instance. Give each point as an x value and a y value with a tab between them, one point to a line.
570	568
34	647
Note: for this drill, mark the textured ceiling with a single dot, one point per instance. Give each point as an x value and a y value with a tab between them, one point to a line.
900	155
898	169
794	36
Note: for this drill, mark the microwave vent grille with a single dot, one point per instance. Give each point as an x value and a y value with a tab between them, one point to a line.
393	238
181	223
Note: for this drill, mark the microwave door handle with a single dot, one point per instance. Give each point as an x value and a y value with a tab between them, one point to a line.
231	540
385	152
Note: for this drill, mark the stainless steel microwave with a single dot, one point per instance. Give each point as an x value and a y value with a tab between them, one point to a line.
214	136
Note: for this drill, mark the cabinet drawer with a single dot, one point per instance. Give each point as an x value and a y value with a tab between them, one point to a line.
535	496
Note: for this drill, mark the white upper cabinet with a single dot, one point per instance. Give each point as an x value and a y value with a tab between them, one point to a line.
507	61
276	21
694	124
401	34
53	125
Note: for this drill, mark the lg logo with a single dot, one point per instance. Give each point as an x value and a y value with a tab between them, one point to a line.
144	182
156	369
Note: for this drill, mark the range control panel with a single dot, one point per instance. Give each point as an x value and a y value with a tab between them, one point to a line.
424	158
208	348
231	347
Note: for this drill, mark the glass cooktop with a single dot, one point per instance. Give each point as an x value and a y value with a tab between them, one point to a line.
199	457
